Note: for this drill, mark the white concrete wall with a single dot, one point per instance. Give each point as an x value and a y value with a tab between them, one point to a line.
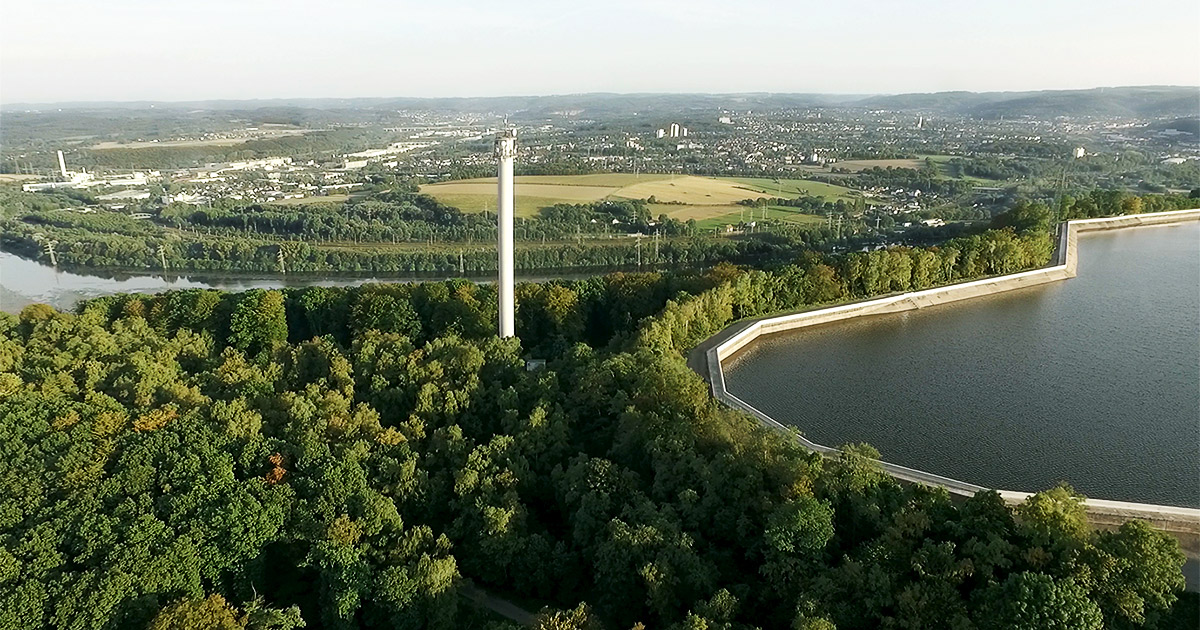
1063	265
506	151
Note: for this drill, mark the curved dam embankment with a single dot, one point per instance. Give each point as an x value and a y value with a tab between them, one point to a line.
708	357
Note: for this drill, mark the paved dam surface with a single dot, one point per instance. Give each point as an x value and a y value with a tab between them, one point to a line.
1094	381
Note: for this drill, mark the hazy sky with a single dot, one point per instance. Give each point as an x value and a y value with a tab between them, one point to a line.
69	50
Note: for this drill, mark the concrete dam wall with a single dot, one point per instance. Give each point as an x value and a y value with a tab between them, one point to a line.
1063	265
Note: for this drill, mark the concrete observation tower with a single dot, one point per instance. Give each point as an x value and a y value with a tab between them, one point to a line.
506	152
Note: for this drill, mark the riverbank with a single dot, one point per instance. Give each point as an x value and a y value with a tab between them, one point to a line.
707	359
24	282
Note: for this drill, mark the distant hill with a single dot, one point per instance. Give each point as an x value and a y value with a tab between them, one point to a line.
1188	125
589	103
1142	102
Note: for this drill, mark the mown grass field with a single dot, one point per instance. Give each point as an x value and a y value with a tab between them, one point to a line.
792	188
681	197
690	190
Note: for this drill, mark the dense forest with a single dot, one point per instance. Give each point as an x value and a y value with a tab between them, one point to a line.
402	231
353	458
386	232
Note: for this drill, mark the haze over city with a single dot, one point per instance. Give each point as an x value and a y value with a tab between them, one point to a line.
136	50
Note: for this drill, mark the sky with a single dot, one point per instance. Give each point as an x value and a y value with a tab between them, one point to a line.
126	50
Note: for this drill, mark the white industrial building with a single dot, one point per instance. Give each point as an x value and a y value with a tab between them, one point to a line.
674	130
84	179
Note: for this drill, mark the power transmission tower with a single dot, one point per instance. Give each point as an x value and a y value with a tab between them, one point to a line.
48	245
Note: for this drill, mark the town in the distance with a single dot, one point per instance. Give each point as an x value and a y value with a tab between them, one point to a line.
322	179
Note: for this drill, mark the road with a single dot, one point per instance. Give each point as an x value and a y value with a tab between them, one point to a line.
500	606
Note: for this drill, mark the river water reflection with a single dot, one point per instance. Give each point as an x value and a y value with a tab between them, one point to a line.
24	282
1094	381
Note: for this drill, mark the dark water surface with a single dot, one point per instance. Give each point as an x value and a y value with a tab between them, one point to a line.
1094	381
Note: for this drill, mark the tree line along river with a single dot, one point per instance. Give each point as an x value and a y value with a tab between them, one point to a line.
24	281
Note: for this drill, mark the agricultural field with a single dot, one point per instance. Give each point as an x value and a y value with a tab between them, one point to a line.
681	197
792	188
690	190
530	193
613	180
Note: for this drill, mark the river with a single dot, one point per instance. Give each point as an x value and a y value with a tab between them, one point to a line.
1094	381
24	282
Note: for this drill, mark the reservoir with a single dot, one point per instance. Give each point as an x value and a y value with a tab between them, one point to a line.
1094	381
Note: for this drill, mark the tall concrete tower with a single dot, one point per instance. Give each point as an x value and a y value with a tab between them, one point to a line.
506	152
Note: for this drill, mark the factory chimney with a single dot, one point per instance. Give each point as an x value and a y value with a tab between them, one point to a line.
506	151
62	165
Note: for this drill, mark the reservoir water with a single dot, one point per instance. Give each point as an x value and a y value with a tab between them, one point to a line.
1094	381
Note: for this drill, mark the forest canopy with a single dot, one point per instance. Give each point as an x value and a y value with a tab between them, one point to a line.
349	458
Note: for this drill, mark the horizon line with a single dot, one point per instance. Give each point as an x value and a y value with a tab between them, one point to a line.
848	95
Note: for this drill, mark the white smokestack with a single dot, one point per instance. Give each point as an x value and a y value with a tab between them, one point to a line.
62	165
506	151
